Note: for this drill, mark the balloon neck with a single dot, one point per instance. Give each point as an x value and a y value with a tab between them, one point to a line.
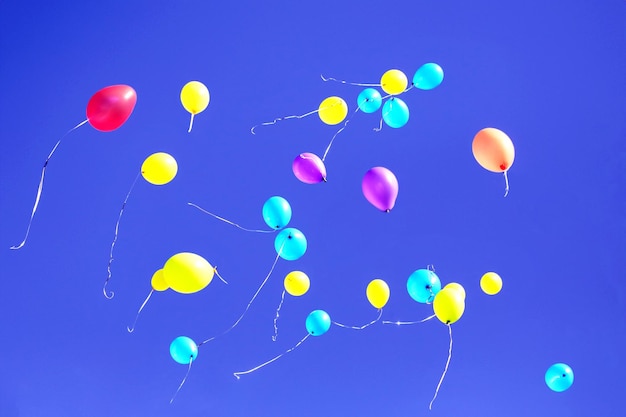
324	179
387	211
503	167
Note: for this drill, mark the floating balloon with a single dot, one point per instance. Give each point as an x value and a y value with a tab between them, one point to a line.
187	272
159	168
395	112
380	188
110	107
290	244
491	283
309	168
377	293
456	287
194	97
559	377
423	285
276	212
158	281
317	323
494	151
183	350
297	283
393	82
428	76
369	100
333	110
448	305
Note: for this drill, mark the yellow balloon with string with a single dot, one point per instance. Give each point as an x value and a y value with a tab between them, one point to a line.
377	293
449	305
159	168
297	283
333	110
194	97
187	272
394	82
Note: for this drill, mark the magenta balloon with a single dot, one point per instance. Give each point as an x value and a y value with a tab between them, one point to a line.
309	168
380	187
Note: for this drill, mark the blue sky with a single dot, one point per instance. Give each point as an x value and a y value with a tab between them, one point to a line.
550	75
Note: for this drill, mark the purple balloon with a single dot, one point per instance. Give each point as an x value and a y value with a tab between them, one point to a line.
380	187
309	168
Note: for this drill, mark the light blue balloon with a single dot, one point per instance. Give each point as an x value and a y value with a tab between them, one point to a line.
317	323
395	112
183	349
369	100
276	212
290	244
423	285
559	377
428	76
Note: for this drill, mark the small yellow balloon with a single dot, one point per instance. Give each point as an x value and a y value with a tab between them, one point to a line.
159	168
187	272
393	82
448	305
195	97
456	287
491	283
377	293
158	281
333	110
297	283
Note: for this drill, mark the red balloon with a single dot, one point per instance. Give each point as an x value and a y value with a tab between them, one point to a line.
110	107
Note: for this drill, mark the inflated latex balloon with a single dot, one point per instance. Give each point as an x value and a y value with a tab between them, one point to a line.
183	350
369	100
393	82
423	285
290	243
297	283
559	377
493	150
333	110
377	293
194	97
159	168
428	76
110	107
309	168
448	305
491	283
395	112
187	272
317	323
276	212
456	287
158	281
380	187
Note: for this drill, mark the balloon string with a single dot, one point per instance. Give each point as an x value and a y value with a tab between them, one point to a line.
117	229
228	221
132	328
380	314
238	374
190	123
40	188
338	132
402	323
283	118
506	184
183	381
349	83
219	276
430	406
380	126
282	299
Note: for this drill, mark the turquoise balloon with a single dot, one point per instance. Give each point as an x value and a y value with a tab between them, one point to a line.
395	112
318	322
183	349
290	244
369	100
428	76
559	377
423	285
276	212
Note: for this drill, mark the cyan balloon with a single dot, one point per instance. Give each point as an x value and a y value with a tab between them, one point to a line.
395	112
290	244
183	350
317	323
276	212
423	285
559	377
369	100
428	76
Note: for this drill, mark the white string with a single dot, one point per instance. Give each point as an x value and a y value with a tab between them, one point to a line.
380	314
430	406
40	188
184	379
282	299
238	374
190	123
402	323
283	118
349	83
380	126
132	328
219	276
506	184
228	221
335	135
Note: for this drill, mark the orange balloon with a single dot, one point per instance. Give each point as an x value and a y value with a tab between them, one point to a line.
493	150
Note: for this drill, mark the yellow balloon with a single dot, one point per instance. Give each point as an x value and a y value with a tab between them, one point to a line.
448	305
456	287
377	293
393	82
297	283
158	281
195	97
333	110
159	168
187	272
491	283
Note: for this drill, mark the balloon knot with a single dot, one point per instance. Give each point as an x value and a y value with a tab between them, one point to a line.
503	167
387	211
325	180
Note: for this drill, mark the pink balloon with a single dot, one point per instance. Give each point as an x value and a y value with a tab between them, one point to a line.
309	168
380	187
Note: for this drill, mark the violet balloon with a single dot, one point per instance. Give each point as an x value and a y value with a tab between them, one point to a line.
380	187
309	168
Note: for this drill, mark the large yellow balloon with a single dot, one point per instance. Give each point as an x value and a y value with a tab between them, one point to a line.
393	82
448	305
491	283
195	97
377	293
187	272
158	281
159	168
456	287
297	283
333	110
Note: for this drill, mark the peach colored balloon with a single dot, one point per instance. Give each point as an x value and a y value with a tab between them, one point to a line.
493	150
